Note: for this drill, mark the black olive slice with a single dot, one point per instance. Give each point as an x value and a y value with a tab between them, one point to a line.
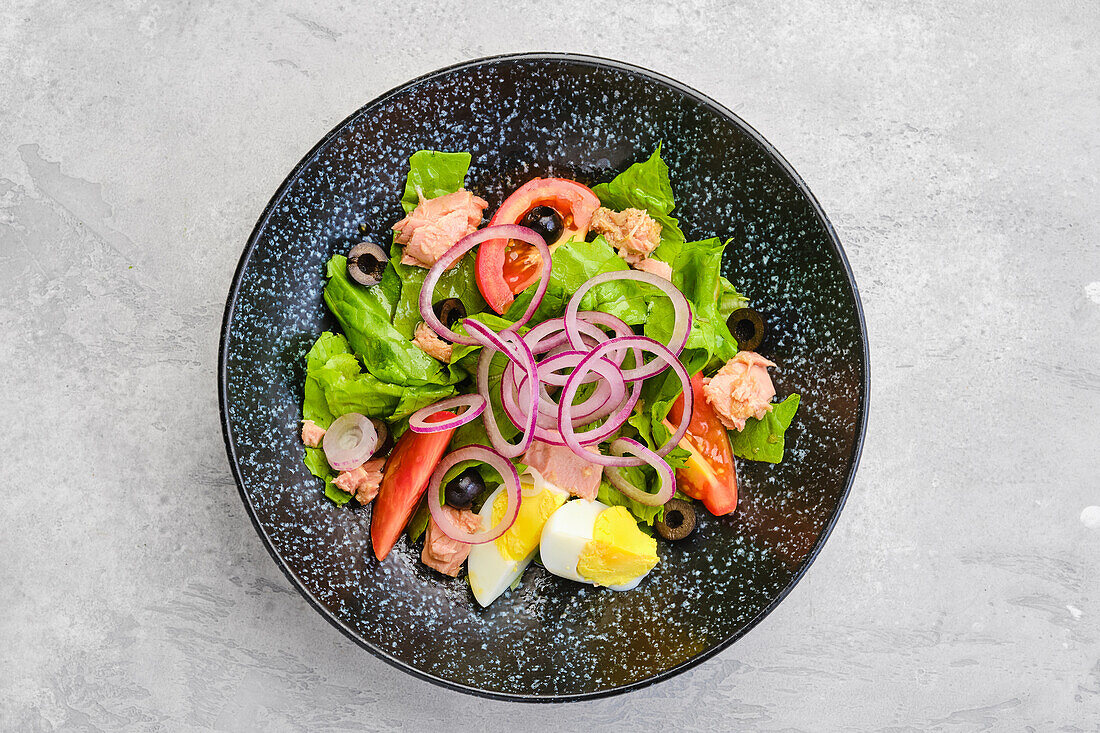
463	489
747	327
449	311
544	221
678	522
366	263
385	438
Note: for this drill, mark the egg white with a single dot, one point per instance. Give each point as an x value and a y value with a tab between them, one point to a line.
564	537
490	572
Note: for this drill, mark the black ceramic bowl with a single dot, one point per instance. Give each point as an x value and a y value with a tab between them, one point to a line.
588	119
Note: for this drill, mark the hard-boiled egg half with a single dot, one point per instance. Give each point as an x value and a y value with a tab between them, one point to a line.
494	566
590	542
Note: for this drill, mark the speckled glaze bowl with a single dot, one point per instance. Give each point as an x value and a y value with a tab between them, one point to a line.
584	118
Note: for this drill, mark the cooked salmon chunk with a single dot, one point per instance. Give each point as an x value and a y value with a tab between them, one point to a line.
440	551
430	343
362	482
435	225
559	465
741	389
633	232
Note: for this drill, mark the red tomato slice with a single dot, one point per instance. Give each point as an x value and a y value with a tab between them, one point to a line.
506	267
408	470
709	475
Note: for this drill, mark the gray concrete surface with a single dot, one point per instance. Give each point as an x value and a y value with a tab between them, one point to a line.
955	146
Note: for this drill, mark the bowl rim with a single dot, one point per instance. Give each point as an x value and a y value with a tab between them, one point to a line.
596	62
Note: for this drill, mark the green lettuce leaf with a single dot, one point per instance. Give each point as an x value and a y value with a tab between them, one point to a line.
575	263
436	174
365	319
419	521
315	406
338	386
318	465
647	186
611	496
458	282
762	440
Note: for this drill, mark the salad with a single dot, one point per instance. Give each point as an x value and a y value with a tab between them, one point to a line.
564	385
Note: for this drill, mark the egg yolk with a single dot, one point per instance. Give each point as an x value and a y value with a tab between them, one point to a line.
523	536
618	552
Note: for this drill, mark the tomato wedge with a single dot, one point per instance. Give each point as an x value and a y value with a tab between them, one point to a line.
408	470
506	267
709	475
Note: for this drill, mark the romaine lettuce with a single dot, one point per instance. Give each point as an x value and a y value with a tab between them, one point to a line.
574	263
385	352
762	440
646	186
435	173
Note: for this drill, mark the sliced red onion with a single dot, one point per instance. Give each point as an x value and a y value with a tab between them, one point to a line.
545	426
349	441
681	310
474	404
618	325
549	367
607	396
577	441
615	476
550	331
511	488
609	391
515	349
550	335
455	253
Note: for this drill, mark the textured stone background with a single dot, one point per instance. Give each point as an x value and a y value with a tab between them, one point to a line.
955	146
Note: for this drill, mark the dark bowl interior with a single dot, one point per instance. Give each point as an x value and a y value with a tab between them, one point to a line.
588	119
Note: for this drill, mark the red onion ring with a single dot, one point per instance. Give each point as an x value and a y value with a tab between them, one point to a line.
511	487
455	253
474	404
515	348
610	390
681	309
550	336
606	399
615	477
576	442
548	367
545	340
349	441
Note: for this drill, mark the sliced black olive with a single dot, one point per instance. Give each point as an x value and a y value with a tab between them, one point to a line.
385	438
463	489
366	263
449	311
545	221
747	327
679	520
